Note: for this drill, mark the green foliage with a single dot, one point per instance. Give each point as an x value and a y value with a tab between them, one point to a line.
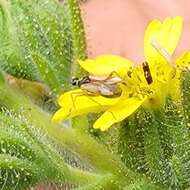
46	72
52	30
24	160
107	181
158	143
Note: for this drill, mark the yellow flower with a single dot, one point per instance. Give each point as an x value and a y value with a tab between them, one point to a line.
160	41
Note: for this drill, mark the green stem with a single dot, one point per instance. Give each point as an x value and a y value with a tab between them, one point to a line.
107	182
82	177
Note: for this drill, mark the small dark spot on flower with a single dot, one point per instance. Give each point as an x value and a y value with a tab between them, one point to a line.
129	73
131	95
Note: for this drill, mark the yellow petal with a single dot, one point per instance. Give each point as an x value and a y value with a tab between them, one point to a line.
117	113
167	35
106	64
183	60
60	115
77	102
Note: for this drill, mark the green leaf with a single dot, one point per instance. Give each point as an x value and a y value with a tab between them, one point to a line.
143	185
28	158
185	94
131	143
179	162
52	30
78	34
24	160
11	59
47	73
154	154
24	175
157	143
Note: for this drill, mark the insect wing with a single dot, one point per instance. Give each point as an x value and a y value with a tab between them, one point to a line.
90	87
105	80
113	80
109	90
97	78
106	90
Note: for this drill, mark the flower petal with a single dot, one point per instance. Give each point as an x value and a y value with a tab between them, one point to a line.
107	64
118	113
183	60
77	102
167	35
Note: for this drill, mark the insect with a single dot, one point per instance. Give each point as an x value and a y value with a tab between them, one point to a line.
98	85
147	73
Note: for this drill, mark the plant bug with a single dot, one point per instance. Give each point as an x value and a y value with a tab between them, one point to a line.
98	85
92	85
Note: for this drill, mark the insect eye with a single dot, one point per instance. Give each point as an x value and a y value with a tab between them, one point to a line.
74	81
86	79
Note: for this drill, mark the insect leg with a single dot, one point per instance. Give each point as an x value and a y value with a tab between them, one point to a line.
75	95
113	116
115	78
112	74
102	106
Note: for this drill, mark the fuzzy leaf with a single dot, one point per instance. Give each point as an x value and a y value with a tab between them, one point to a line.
131	143
49	29
164	151
24	160
47	73
185	93
105	183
